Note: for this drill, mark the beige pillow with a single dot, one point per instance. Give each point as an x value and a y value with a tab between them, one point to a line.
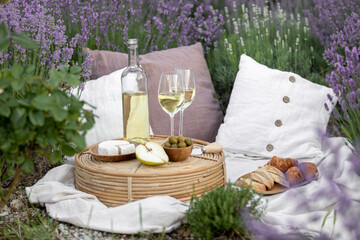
202	118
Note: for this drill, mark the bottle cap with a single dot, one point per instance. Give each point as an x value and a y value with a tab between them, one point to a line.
132	41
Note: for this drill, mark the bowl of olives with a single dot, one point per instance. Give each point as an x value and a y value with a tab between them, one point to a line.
178	148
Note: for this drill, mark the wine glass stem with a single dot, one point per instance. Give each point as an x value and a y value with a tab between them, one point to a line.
172	125
181	122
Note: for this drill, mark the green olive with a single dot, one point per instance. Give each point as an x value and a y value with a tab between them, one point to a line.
174	145
182	145
167	144
188	141
181	139
173	140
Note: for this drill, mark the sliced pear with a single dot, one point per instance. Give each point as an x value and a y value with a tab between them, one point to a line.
158	150
151	154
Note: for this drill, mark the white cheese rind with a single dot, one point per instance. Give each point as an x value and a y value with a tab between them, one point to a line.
126	149
115	147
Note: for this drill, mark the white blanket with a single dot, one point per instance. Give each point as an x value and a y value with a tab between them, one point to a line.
162	213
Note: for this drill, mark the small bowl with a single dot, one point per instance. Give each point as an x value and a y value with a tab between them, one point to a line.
178	154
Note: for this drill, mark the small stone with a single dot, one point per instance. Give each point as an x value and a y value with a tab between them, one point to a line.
16	205
4	211
63	229
187	233
174	235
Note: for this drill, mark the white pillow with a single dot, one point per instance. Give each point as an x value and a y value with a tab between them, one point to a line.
274	113
105	94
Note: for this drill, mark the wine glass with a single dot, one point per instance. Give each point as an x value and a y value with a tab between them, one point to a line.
187	75
171	95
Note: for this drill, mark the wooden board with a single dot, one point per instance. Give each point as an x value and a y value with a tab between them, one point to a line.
279	188
93	150
117	183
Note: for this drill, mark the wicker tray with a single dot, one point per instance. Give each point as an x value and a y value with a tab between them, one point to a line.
117	183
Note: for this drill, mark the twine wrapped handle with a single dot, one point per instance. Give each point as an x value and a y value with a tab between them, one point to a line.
214	147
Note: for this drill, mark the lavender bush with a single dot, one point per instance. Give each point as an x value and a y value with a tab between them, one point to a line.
36	20
328	17
101	24
343	54
272	36
63	28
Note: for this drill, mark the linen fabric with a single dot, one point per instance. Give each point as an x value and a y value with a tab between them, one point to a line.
202	118
283	212
274	113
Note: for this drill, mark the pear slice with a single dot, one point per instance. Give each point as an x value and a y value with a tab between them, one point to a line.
151	154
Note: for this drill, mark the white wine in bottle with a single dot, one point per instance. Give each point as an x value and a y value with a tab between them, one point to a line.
136	115
134	85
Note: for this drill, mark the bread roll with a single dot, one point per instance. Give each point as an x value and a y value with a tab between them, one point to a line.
294	176
277	175
309	170
262	171
246	182
268	181
282	164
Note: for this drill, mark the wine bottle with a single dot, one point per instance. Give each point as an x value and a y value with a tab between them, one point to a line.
134	84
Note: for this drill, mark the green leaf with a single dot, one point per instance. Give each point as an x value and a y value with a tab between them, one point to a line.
24	102
41	140
12	103
75	69
17	84
37	118
54	83
55	157
73	80
5	146
17	70
29	79
18	118
71	125
4	110
23	40
79	141
19	160
68	150
5	82
28	166
60	99
4	36
29	69
59	114
60	76
42	102
11	171
63	68
4	43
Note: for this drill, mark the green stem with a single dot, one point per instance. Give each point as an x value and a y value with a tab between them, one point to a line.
12	187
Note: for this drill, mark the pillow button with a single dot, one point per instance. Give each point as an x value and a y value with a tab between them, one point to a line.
278	123
292	79
286	99
269	147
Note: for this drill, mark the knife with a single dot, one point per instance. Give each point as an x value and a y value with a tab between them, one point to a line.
214	147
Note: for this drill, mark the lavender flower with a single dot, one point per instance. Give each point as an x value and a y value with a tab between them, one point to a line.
343	54
327	17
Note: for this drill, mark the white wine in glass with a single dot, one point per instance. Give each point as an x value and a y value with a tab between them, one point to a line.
188	78
171	95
